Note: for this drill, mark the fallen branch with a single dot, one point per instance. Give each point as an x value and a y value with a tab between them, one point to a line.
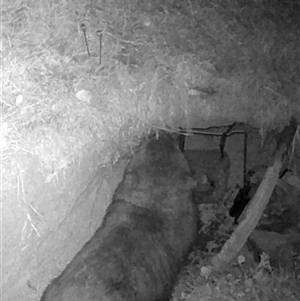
257	205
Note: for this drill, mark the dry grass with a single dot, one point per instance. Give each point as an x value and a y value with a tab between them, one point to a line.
152	55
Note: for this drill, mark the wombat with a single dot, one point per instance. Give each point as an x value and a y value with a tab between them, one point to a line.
145	235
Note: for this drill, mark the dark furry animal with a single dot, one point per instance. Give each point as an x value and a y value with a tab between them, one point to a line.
240	202
246	193
146	233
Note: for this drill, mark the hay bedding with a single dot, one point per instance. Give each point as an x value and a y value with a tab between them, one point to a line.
164	64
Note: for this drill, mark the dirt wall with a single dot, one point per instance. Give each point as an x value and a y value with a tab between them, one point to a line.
61	217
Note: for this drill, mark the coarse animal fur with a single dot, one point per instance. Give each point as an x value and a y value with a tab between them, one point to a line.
146	233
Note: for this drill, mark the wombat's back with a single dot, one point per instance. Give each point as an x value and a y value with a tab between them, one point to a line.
146	233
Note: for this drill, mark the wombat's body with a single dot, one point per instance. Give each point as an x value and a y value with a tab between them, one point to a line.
146	233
